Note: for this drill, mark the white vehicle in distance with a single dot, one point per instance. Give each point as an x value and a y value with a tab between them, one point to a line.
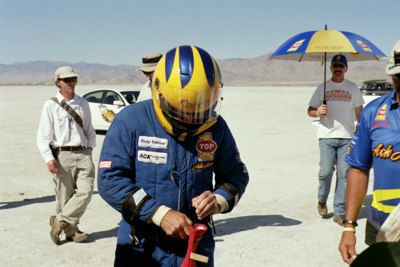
113	99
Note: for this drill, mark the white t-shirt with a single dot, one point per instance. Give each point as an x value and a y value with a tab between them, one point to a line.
145	92
341	98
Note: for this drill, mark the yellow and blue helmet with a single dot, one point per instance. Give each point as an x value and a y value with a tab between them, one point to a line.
187	91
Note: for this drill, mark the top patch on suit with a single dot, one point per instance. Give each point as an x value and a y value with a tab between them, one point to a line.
206	147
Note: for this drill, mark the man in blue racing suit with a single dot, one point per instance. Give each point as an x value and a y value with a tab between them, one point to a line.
376	143
158	161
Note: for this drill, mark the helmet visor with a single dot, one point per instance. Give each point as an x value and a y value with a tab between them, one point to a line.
192	106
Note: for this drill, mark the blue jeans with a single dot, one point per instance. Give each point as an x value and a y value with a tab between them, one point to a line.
331	148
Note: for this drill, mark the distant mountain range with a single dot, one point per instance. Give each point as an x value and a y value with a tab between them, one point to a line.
259	71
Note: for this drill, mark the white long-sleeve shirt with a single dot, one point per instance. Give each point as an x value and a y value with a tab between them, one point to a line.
58	128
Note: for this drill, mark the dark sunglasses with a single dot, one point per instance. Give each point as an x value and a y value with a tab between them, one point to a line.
338	65
147	72
68	80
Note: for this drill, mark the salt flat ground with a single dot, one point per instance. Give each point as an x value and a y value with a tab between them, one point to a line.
275	224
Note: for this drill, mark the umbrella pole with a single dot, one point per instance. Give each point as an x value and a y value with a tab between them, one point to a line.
324	102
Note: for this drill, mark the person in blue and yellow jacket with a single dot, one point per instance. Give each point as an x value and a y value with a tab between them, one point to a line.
170	162
376	144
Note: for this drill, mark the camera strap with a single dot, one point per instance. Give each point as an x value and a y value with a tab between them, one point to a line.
71	112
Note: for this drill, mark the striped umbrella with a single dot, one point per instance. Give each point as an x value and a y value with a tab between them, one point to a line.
323	45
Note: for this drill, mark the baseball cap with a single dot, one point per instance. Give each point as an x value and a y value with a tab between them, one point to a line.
64	72
339	58
150	62
391	68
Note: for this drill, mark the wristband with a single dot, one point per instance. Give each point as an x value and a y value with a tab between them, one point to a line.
317	112
349	229
350	222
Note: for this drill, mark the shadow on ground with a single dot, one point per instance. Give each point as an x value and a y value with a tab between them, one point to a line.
365	208
101	132
245	223
29	201
363	212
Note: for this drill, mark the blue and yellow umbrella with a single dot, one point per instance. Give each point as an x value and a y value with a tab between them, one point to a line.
323	45
315	45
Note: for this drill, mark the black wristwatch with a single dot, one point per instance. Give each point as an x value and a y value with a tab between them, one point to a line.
350	222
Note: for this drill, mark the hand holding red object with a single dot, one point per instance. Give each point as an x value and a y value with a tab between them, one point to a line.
196	231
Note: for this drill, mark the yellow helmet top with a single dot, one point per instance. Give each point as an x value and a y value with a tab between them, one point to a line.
186	91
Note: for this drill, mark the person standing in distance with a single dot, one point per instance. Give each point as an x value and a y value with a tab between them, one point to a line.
344	103
172	162
66	146
148	67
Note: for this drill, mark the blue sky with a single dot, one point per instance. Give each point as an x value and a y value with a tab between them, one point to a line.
122	31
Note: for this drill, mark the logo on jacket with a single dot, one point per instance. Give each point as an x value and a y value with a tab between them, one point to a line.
152	157
385	153
381	114
201	165
380	124
206	147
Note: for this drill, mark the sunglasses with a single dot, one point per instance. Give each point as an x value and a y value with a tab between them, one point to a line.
338	65
147	72
68	80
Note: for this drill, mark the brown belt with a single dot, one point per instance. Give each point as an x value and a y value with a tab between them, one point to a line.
69	148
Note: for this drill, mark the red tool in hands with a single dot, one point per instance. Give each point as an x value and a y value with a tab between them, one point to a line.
196	232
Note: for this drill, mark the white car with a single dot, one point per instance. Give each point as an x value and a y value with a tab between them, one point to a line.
113	99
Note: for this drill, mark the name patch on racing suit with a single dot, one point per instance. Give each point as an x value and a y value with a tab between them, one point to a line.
152	157
153	142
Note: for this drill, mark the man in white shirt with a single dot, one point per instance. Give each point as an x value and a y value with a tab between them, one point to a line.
338	109
66	141
149	64
148	67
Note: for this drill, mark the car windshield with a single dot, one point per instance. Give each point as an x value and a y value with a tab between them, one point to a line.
368	86
94	97
375	84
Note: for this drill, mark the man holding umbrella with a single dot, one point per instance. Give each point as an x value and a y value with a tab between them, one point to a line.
338	108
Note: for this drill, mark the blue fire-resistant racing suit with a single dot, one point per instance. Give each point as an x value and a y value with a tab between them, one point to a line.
140	162
376	143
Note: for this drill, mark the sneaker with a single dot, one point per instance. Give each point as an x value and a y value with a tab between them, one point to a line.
322	209
339	219
78	237
56	229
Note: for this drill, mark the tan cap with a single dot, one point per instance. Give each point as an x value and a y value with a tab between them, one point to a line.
391	68
150	62
64	72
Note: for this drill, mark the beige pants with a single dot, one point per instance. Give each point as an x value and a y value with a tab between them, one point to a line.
74	183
